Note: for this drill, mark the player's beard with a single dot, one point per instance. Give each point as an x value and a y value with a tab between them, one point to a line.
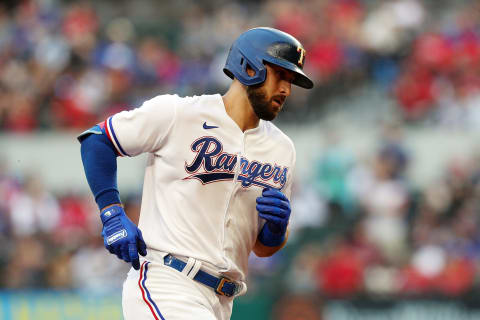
262	106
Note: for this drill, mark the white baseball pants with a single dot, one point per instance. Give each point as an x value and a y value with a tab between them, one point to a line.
160	292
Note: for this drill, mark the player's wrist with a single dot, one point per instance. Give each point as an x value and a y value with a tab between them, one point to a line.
107	198
111	212
269	238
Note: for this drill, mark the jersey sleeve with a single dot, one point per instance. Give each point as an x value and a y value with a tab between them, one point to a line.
142	129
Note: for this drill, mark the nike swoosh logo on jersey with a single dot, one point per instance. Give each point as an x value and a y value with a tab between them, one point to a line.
206	126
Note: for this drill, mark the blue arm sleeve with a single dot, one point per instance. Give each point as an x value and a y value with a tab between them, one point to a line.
100	164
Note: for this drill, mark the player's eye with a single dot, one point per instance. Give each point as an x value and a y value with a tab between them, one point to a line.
287	76
282	74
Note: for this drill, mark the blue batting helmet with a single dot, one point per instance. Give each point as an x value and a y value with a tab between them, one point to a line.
259	45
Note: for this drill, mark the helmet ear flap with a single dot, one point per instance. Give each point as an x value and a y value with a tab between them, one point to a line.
259	71
237	64
245	66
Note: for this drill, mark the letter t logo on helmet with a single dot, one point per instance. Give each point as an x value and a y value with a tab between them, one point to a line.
259	45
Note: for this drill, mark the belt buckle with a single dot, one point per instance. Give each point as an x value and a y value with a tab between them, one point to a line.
220	287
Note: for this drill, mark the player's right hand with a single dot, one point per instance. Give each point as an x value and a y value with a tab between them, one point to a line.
121	236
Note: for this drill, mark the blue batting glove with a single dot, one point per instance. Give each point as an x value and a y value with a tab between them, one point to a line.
121	236
274	207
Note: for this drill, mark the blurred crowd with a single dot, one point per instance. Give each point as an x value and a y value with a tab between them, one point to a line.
382	236
52	240
68	64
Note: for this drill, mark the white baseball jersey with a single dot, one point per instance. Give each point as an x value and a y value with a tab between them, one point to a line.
203	176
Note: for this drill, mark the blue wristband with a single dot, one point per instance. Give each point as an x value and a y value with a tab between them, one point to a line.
270	239
107	197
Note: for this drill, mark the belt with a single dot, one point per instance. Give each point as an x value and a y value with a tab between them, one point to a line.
220	285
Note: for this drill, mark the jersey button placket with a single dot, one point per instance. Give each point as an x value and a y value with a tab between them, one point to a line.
227	219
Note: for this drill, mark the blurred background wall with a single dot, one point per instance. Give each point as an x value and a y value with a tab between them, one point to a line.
385	221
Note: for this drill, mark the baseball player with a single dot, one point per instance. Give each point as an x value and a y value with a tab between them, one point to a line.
217	183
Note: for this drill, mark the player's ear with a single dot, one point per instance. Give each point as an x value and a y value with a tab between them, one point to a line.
250	71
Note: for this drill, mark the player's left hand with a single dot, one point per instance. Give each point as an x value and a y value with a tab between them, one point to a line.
121	236
274	207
